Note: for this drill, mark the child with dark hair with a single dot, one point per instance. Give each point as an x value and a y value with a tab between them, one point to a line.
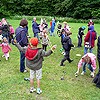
59	27
80	34
67	44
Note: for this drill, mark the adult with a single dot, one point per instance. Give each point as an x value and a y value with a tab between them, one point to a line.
90	23
21	37
35	28
80	35
52	27
5	28
89	40
96	80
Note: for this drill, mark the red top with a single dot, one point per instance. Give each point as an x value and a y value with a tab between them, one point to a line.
87	38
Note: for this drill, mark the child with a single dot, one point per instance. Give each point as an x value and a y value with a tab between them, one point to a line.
34	58
67	44
5	48
45	39
66	27
80	34
90	60
59	27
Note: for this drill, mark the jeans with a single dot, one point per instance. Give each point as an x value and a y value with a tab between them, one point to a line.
79	42
22	62
86	50
37	35
89	67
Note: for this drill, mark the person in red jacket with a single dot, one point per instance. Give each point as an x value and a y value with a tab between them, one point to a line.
89	41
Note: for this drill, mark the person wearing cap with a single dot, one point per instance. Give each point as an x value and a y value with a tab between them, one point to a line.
34	58
21	37
80	34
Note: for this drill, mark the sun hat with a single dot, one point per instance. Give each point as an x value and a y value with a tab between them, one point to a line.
34	41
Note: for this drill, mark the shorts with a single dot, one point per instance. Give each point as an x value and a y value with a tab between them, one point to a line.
38	74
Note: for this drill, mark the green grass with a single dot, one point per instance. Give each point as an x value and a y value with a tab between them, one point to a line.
13	86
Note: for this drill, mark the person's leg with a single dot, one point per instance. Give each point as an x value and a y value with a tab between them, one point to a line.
68	56
38	77
83	68
45	47
85	50
63	60
91	50
22	62
32	73
78	42
81	42
91	69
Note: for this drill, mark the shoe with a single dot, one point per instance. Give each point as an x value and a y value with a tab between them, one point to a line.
70	61
83	73
25	71
27	79
62	65
3	56
92	74
39	91
32	90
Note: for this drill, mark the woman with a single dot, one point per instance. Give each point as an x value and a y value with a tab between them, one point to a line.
21	37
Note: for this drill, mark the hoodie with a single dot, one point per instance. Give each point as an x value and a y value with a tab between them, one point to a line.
34	57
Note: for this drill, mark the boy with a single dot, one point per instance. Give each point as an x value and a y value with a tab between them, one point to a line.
67	44
34	58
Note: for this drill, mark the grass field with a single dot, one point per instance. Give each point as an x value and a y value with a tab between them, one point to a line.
13	86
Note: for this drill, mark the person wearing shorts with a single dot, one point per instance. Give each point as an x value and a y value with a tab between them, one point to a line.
34	58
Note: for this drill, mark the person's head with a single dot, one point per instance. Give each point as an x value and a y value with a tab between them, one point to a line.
62	31
86	59
90	20
33	42
4	21
83	27
34	19
91	27
5	40
23	23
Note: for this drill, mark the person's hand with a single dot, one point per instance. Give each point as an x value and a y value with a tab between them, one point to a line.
53	47
14	42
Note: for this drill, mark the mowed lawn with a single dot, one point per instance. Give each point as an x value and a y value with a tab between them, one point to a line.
13	86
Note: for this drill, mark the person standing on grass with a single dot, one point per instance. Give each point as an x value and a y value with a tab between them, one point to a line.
52	27
34	59
80	35
21	37
67	44
5	48
35	28
45	39
90	40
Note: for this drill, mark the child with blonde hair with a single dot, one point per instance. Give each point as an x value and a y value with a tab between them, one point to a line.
5	48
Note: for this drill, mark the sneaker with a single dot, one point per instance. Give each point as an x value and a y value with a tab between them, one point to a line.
62	65
3	56
25	71
39	91
92	74
32	90
27	79
70	60
83	73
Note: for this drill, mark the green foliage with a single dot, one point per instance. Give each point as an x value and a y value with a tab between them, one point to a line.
78	9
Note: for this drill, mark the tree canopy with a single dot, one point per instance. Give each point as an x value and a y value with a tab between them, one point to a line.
79	9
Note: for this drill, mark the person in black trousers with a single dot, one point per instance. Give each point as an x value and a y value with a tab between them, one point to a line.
67	44
80	35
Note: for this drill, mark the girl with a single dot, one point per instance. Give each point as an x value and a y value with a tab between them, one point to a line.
45	39
5	48
90	60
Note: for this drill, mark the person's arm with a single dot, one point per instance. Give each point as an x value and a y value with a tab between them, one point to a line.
70	43
23	49
87	37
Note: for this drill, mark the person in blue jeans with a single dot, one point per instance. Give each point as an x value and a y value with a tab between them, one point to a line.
21	38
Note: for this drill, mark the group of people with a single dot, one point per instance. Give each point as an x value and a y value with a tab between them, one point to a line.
34	56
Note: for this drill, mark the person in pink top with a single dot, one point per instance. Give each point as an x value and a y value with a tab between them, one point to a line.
5	48
11	33
88	59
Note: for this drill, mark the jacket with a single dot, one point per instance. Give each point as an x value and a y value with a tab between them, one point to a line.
21	36
93	60
35	27
93	36
35	62
67	43
98	49
5	47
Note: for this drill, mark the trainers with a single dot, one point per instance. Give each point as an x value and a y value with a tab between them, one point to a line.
62	65
32	90
39	91
70	60
83	73
25	71
92	74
